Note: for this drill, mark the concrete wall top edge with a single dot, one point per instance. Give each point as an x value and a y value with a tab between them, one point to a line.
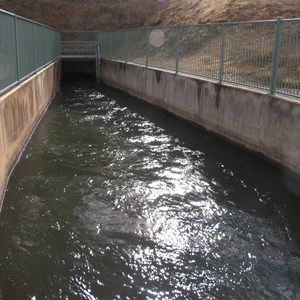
257	91
253	119
13	89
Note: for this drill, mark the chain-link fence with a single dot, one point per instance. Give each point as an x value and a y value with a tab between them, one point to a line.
25	46
262	54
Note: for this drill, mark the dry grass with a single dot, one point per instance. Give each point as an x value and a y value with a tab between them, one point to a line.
85	15
249	53
203	11
116	14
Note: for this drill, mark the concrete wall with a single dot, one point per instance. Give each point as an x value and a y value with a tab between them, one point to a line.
20	110
261	123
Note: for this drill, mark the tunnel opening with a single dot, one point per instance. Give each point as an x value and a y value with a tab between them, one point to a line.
72	68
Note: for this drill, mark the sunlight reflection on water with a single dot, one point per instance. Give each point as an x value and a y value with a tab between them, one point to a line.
114	201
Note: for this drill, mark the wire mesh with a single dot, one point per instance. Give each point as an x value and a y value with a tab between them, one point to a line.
48	44
39	46
288	79
118	45
25	46
8	53
249	53
57	44
162	48
104	40
242	53
79	43
200	50
137	46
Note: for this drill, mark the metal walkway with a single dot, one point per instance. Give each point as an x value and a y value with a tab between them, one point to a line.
78	49
78	44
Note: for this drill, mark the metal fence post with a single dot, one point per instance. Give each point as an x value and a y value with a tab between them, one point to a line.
34	45
223	48
44	36
110	45
147	47
177	48
17	49
126	46
98	62
59	44
276	56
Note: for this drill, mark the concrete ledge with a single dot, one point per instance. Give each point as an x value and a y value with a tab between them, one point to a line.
259	122
20	111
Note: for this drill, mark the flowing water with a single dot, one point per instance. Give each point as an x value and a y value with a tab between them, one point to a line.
113	199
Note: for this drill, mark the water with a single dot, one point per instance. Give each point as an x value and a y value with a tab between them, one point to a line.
115	200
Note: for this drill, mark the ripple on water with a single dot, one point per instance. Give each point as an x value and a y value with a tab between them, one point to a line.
113	200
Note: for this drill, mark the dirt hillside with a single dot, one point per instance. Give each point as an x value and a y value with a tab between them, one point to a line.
203	11
85	14
115	14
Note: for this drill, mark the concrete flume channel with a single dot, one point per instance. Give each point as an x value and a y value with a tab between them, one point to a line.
144	204
264	124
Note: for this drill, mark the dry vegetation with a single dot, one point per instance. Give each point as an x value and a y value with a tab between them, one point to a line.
204	11
115	14
85	15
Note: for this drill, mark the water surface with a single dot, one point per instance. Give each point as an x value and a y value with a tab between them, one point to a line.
113	199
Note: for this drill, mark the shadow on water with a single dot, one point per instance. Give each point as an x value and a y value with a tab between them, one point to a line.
248	167
256	171
114	199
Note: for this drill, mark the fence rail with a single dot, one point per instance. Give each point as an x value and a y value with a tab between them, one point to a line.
25	47
78	44
261	54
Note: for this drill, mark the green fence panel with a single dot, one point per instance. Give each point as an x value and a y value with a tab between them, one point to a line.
200	50
118	45
263	55
162	48
288	76
137	46
249	53
39	45
25	47
57	44
103	39
79	43
8	51
52	44
48	44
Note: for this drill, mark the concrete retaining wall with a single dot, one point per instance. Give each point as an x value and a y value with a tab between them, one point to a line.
264	124
20	110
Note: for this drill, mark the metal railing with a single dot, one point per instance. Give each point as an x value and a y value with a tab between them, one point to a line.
78	44
25	47
262	54
98	62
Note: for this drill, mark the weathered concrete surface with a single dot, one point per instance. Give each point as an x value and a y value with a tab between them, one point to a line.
20	110
264	124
